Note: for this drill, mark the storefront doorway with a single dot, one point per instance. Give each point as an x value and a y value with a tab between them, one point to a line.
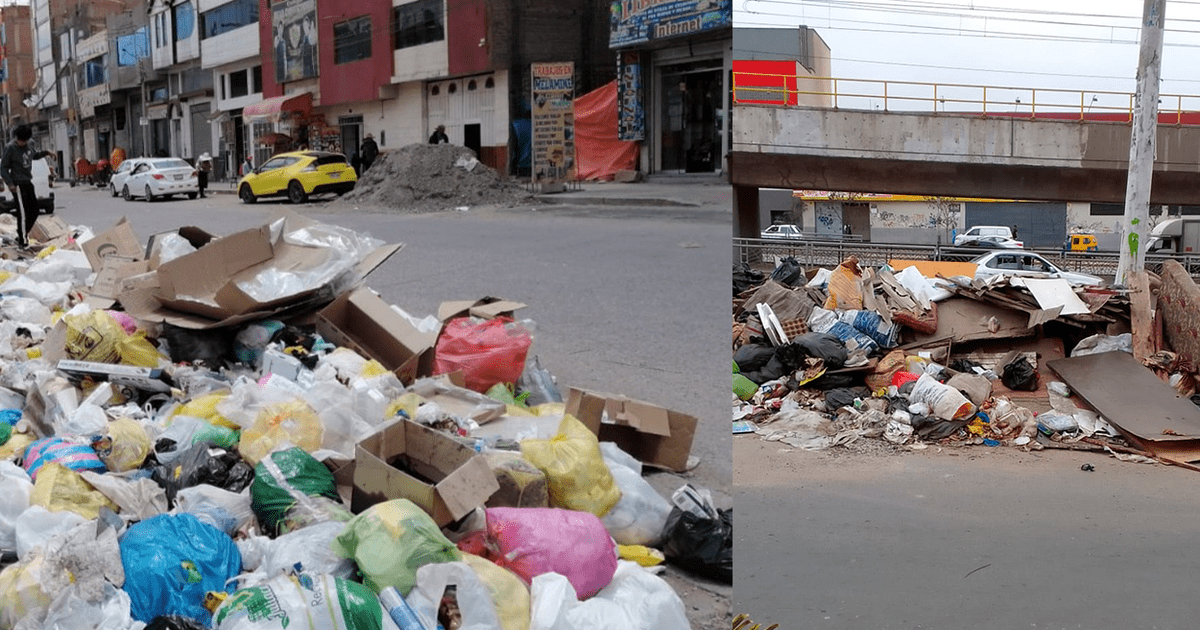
689	136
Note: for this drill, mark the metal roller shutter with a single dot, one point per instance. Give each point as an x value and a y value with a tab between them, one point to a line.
1038	224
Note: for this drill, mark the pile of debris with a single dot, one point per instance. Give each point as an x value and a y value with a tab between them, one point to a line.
235	433
430	178
920	353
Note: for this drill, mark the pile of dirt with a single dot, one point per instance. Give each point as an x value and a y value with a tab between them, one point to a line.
430	178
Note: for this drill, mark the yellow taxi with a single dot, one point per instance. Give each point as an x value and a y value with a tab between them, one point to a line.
1082	243
297	175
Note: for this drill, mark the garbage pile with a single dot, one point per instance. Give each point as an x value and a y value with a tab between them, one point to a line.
432	177
914	354
235	433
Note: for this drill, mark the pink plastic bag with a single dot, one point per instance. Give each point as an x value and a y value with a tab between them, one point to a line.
533	541
486	353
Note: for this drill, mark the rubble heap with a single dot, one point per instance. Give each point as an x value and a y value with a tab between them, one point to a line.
920	353
430	178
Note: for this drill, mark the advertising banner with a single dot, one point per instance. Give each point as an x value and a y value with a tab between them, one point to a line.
553	122
631	117
642	21
294	24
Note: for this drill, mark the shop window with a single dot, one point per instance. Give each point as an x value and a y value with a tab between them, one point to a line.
417	23
352	40
238	84
228	17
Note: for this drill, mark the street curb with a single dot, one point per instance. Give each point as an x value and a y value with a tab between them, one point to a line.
570	200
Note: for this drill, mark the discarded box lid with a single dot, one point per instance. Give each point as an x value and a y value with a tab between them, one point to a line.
49	227
119	241
447	479
654	435
362	321
486	308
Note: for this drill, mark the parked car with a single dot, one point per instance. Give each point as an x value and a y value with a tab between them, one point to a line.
978	231
1027	264
116	183
43	185
780	231
994	242
298	174
152	178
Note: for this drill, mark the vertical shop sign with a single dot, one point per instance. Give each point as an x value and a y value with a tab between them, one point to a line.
631	118
553	122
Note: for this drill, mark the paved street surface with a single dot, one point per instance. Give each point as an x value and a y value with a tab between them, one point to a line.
628	299
963	538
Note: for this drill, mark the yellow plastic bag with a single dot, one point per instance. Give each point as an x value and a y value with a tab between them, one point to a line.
125	445
205	408
575	470
549	409
96	336
373	368
641	554
509	593
21	591
59	488
16	445
407	403
293	422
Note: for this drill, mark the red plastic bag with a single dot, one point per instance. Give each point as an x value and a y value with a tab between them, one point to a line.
488	352
533	541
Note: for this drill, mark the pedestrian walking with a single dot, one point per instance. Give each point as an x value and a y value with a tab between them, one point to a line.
439	136
369	151
16	169
248	165
203	168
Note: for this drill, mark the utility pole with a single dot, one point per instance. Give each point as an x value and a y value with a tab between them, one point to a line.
1142	142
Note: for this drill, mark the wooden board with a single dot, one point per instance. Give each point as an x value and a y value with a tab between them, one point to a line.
1130	396
1141	319
931	268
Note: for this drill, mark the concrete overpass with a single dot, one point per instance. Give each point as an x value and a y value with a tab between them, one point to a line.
1047	158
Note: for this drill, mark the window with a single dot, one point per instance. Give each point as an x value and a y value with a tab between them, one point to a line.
352	40
489	84
158	94
184	17
224	86
471	85
417	23
452	88
256	86
132	47
95	71
160	30
238	84
228	17
1107	209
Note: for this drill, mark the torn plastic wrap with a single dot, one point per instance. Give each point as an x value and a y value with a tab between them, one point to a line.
343	249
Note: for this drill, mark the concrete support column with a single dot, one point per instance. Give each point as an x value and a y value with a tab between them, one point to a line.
745	208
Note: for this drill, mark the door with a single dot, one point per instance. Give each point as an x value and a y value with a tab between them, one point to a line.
856	220
471	138
201	130
689	137
828	218
271	176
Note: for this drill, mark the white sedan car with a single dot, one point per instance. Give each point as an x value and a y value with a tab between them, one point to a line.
116	182
152	178
780	231
1028	264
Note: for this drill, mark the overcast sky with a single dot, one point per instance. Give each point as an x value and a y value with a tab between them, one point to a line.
1086	45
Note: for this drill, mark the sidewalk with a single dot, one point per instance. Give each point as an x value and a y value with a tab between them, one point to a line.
658	190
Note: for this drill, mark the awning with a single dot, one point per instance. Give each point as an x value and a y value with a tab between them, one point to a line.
272	108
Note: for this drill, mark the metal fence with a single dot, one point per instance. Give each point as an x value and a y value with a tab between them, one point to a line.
812	253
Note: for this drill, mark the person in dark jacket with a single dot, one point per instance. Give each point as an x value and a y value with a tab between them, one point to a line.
369	151
439	136
16	169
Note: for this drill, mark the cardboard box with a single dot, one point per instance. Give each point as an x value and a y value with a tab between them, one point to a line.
486	308
444	477
654	435
48	227
363	322
457	400
119	241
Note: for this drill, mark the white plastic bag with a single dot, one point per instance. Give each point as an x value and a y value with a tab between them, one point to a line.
635	600
335	406
15	487
639	516
37	525
946	402
225	510
265	559
474	599
71	611
1097	344
25	310
86	419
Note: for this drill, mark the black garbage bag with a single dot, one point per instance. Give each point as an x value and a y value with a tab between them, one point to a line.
209	347
826	382
174	622
965	366
745	278
203	463
933	428
823	346
789	272
1020	375
703	546
774	369
752	357
844	397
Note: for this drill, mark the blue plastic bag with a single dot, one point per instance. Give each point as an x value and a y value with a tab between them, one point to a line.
171	561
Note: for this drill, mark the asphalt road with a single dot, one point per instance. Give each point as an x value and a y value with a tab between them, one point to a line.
971	537
626	300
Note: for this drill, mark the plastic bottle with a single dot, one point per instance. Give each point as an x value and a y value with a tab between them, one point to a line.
399	610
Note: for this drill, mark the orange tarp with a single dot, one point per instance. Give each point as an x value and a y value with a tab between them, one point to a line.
598	153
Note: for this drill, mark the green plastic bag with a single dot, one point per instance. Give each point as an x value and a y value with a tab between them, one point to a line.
390	541
744	387
307	600
292	489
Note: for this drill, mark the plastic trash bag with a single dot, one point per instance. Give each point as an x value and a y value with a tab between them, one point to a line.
639	516
37	525
15	489
204	464
171	561
21	592
701	545
521	483
70	610
474	600
1020	375
827	348
574	468
845	286
509	594
138	496
124	445
872	325
306	601
228	511
788	272
533	541
390	541
98	336
73	453
59	488
946	402
539	384
287	489
205	408
174	622
186	431
1103	343
310	547
488	352
293	423
635	600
